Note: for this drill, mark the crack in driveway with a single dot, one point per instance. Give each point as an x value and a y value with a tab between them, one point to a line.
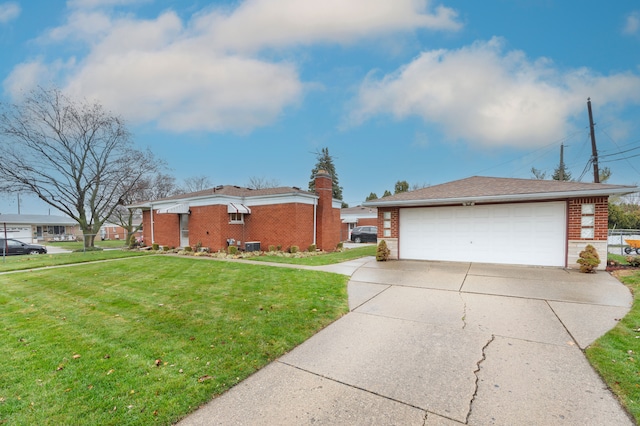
476	373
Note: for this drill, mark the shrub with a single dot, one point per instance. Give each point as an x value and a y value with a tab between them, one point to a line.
383	252
232	250
633	261
312	248
294	249
279	247
188	249
339	246
165	248
589	259
155	247
272	248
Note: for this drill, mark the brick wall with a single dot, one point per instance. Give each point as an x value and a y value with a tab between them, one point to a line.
392	241
166	228
282	225
601	217
576	243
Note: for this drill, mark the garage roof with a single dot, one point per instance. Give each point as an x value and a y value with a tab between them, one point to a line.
481	189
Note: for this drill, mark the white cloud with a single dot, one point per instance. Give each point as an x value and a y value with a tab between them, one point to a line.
483	94
206	74
276	23
632	24
9	11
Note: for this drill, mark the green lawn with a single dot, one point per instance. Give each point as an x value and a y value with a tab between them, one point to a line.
15	263
616	355
149	339
78	245
322	259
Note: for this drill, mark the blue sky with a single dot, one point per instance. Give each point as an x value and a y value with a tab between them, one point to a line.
415	90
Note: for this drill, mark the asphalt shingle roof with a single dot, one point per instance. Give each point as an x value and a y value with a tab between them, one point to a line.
486	187
233	191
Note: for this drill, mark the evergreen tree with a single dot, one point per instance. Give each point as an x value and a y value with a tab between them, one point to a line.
386	193
561	172
325	162
401	186
372	196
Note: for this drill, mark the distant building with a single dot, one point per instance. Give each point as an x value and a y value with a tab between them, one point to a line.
33	228
356	216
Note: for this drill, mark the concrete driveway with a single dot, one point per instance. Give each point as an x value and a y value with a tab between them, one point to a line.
435	343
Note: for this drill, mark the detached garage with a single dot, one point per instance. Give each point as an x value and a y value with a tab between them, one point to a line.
498	220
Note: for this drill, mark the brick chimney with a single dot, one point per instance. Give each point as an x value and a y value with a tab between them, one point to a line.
327	218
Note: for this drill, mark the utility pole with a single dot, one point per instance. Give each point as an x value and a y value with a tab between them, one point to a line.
561	162
594	150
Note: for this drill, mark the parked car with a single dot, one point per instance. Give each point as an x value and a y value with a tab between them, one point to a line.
364	234
18	247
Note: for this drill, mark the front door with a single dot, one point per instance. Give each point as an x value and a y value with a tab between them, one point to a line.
184	230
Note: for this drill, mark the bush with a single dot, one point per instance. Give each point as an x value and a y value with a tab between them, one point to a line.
383	252
339	246
279	247
589	259
294	249
232	250
633	261
188	249
155	246
312	248
272	248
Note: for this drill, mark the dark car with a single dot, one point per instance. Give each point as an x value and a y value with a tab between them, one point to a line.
18	247
364	234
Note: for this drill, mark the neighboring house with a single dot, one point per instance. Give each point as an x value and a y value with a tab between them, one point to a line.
231	215
112	231
498	220
32	228
356	216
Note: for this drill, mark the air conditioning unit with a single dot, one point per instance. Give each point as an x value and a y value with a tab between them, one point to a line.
252	246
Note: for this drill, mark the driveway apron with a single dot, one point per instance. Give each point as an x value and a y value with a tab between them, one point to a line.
438	343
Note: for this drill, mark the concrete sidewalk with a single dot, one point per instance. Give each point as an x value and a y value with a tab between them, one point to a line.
435	343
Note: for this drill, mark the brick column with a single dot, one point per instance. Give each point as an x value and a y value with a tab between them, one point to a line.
327	221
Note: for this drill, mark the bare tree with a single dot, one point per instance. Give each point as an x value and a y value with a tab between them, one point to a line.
73	155
262	183
196	183
154	187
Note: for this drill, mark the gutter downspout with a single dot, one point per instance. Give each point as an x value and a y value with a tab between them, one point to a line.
315	219
153	238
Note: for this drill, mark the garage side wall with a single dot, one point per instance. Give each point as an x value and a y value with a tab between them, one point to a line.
576	242
391	233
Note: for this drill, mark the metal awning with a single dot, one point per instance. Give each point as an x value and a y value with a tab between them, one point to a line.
238	208
176	208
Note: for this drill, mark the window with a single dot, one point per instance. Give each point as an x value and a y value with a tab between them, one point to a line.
236	218
56	230
587	221
386	229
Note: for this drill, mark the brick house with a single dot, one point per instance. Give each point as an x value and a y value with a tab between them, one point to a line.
351	217
231	215
498	220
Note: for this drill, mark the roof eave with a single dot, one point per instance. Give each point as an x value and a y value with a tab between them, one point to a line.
504	198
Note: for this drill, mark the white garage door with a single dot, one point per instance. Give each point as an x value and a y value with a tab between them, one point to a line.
523	234
18	232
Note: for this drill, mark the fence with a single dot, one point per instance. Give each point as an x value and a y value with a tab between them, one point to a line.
617	240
